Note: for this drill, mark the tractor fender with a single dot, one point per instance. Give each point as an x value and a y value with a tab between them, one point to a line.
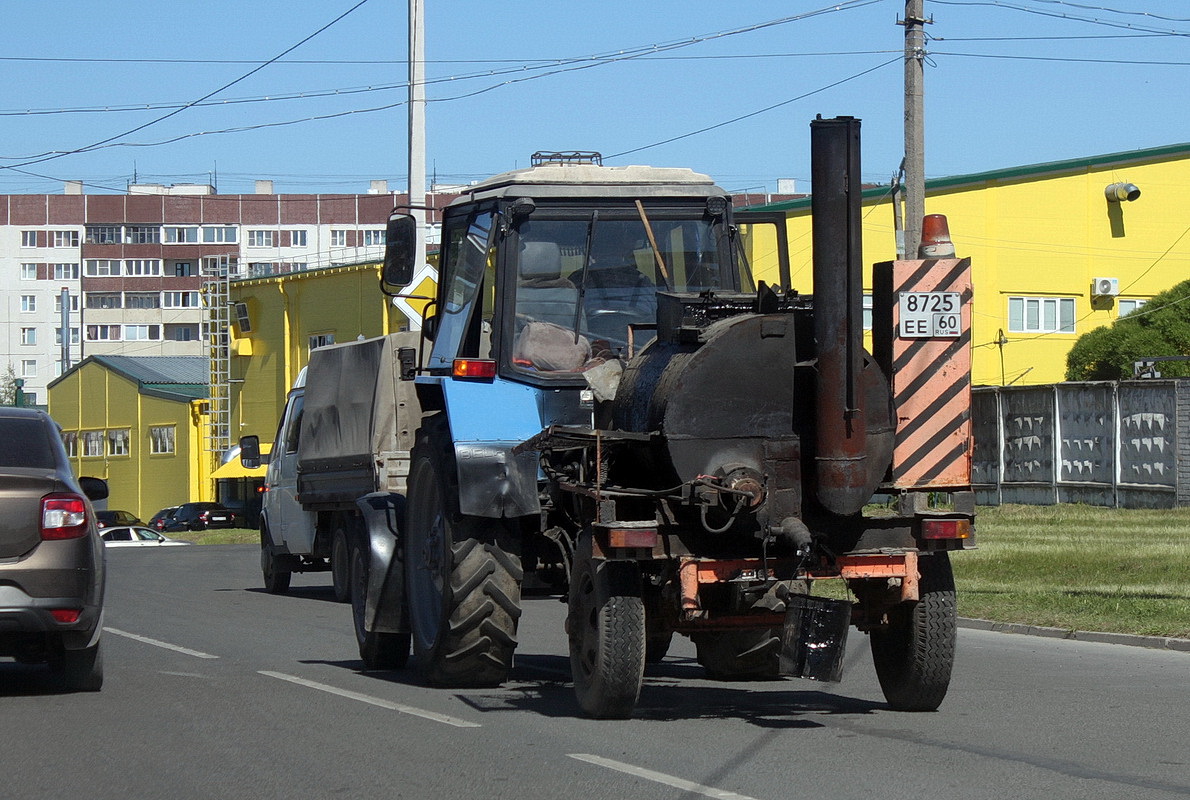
383	514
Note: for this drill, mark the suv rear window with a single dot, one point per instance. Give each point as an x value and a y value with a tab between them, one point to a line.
26	444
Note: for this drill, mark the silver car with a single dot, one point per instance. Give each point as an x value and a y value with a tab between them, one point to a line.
51	556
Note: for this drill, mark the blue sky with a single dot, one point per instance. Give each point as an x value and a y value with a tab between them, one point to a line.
1009	82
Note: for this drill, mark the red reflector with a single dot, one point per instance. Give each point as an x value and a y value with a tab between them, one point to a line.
66	614
946	529
474	368
63	516
631	537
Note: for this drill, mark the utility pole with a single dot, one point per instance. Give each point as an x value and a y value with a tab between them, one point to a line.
417	128
915	157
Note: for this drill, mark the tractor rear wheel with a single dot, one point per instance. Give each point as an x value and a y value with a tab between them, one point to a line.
914	654
606	629
462	575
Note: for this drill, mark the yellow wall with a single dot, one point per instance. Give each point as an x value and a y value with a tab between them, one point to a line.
95	398
1040	235
285	312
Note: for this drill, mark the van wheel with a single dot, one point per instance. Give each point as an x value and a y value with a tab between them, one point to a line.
340	566
276	571
462	575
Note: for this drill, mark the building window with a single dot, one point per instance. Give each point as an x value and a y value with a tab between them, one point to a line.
142	300
28	238
142	266
28	303
103	333
28	367
117	442
70	440
74	303
92	444
181	333
321	340
184	269
28	336
104	234
28	272
1041	314
220	235
65	238
373	237
161	439
142	333
338	238
261	238
64	272
101	267
74	336
181	235
103	300
298	238
1126	307
179	300
142	234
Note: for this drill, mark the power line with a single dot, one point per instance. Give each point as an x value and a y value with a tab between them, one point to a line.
1061	15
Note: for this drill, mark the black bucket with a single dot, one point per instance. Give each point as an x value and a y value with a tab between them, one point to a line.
814	638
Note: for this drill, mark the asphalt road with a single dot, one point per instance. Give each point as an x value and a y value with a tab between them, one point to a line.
217	690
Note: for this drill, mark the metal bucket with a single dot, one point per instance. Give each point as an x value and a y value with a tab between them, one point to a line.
814	638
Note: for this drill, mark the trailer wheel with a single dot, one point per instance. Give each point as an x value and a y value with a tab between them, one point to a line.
915	653
377	650
740	655
462	575
274	568
606	628
340	566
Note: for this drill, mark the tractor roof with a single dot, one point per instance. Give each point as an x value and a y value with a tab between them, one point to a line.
590	180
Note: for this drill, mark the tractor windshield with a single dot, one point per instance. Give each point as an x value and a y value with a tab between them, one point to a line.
582	281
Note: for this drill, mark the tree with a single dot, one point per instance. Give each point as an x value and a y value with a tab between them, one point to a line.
8	386
1159	328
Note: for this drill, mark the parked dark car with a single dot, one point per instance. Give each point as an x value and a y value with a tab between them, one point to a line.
105	519
199	517
158	520
51	556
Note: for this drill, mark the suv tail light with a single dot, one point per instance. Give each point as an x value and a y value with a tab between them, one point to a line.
63	516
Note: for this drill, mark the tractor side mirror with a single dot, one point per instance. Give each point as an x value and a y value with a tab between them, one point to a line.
399	251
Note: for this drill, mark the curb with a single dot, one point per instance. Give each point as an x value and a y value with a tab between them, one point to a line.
1128	639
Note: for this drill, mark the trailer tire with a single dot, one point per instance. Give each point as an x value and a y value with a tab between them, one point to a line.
462	575
915	653
340	566
739	655
274	568
606	629
376	650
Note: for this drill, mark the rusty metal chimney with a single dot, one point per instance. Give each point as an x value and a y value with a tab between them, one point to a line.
841	455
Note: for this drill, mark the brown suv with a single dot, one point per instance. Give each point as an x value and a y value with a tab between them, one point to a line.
51	556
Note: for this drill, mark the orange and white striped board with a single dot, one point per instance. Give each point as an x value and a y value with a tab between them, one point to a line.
930	370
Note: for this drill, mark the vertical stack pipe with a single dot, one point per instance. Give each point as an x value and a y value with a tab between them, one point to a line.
841	448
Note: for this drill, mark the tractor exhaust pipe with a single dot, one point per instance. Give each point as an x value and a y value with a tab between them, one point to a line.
841	448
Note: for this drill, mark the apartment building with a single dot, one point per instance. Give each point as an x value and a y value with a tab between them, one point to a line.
130	268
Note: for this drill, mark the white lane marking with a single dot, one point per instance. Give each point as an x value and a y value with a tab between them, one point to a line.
158	643
660	777
375	701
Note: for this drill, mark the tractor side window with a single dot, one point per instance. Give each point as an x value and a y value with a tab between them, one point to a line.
468	255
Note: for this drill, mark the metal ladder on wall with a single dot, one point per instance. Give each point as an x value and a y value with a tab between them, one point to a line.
216	277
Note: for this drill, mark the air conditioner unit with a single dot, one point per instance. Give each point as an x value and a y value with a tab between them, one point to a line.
1105	287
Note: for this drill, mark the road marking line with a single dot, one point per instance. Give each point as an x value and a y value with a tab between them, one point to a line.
375	701
158	643
660	777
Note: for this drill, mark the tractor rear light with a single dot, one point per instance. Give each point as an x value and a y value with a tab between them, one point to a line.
66	615
632	537
474	368
946	529
63	516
